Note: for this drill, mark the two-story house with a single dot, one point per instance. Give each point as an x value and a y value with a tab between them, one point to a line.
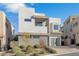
40	28
71	30
34	24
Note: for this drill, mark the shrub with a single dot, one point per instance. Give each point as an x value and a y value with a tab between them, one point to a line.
20	54
49	50
52	51
46	47
29	49
34	54
13	44
21	47
36	46
41	52
18	51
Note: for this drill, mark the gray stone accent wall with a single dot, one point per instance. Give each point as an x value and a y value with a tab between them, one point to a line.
44	39
32	41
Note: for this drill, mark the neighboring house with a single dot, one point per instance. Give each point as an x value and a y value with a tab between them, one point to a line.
71	30
5	32
62	36
42	30
34	24
54	32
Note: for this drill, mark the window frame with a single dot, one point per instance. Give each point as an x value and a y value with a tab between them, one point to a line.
56	27
36	24
27	20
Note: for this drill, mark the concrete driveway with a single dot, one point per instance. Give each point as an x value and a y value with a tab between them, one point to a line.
64	50
2	53
70	54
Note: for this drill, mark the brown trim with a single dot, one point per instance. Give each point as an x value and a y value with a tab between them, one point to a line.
40	17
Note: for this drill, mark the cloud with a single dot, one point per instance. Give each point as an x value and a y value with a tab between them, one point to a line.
32	4
13	7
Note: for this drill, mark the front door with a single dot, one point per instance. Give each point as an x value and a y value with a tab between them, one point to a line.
58	42
73	40
53	42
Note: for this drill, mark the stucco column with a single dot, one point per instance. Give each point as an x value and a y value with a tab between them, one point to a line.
60	42
49	41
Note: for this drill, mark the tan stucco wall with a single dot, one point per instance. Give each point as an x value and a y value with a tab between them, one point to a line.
75	30
1	24
5	32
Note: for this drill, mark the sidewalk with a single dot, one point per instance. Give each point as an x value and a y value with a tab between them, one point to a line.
64	50
2	53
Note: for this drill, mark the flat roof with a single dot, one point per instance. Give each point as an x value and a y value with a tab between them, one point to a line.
39	17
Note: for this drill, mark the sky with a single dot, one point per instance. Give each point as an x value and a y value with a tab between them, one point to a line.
58	10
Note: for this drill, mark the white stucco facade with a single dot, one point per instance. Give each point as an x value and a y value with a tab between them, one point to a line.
54	34
38	24
30	26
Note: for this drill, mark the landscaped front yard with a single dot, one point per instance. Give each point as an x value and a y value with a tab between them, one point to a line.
29	50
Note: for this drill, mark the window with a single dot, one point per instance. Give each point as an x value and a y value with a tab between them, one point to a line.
75	24
6	25
38	23
35	36
73	19
71	30
55	27
66	37
27	19
68	21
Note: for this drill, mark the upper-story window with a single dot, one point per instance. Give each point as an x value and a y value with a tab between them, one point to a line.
27	20
71	30
6	25
73	19
68	21
76	24
38	24
56	27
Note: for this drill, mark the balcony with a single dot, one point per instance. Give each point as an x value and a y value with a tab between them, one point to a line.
34	29
39	29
